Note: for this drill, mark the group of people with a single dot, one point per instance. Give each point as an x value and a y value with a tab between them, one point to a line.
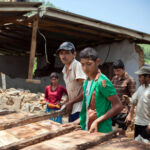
95	102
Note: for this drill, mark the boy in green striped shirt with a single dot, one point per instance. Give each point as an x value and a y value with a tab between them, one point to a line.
100	102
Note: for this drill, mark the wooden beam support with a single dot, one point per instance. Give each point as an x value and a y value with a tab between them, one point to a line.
33	47
32	52
17	9
77	28
69	33
62	15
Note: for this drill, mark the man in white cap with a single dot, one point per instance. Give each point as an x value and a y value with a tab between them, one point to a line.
141	99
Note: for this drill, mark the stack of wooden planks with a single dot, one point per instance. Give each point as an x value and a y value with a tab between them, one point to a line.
44	134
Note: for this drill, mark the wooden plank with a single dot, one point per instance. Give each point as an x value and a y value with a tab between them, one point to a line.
38	139
33	81
69	33
17	9
13	117
31	119
78	28
6	112
6	138
121	143
16	134
67	141
33	129
33	47
98	140
20	4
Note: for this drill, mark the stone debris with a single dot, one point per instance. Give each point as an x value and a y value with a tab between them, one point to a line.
21	100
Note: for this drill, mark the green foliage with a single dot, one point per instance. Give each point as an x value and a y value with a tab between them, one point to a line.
146	49
35	65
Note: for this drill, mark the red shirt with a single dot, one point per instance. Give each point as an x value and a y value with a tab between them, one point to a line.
55	96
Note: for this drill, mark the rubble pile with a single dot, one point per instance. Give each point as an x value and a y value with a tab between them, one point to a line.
21	100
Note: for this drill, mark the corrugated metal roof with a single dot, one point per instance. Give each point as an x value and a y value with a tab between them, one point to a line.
10	11
57	26
100	27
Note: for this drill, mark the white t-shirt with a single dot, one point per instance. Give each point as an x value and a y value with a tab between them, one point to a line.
86	100
72	86
142	100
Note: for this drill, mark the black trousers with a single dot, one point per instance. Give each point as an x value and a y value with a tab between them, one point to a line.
120	120
141	130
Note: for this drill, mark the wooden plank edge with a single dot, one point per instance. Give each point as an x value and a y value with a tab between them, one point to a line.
38	139
31	119
6	112
98	140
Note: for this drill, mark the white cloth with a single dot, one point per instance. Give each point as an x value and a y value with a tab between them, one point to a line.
142	100
72	86
86	96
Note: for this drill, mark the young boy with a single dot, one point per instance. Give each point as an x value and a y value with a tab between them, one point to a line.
53	95
141	99
125	86
100	101
73	77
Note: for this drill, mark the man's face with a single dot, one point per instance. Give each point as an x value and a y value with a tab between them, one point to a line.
141	79
66	56
147	79
89	66
54	81
119	72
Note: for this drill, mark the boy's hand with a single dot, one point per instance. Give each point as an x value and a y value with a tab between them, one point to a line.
58	103
126	99
148	129
93	127
67	124
69	107
42	102
128	119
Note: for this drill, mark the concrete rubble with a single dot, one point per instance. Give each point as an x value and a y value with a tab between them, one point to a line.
21	100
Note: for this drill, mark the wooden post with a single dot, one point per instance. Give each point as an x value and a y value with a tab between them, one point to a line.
3	81
32	51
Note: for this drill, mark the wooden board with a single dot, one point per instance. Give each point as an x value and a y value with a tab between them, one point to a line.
65	142
12	117
29	119
27	131
121	144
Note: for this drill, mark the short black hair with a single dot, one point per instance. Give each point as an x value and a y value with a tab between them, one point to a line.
89	52
118	64
145	75
54	75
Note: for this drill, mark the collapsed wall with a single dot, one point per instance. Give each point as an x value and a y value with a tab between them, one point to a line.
21	100
126	51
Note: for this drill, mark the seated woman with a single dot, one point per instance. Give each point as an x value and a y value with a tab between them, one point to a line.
53	95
